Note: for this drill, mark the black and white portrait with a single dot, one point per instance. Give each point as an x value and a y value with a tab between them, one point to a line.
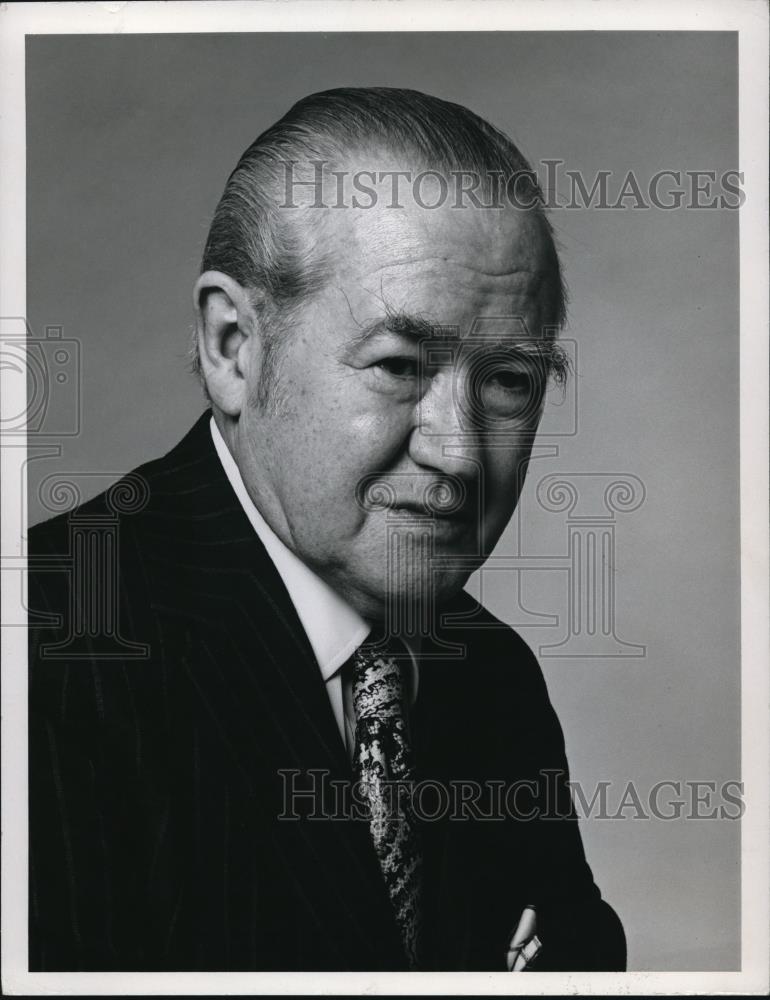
378	502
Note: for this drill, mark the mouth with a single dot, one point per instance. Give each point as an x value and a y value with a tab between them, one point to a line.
419	512
445	501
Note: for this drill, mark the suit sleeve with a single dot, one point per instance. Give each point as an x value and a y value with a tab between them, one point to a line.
578	929
82	872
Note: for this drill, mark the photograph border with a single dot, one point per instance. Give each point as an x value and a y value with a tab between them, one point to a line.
749	18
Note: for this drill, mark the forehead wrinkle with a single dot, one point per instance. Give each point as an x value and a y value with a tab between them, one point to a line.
524	280
383	283
422	236
393	316
422	324
418	328
448	261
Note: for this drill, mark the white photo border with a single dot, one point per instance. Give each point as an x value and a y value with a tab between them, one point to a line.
749	18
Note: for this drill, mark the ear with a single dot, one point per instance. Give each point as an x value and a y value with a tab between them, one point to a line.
229	345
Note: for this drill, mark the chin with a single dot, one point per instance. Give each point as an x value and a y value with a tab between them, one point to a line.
394	581
445	588
407	601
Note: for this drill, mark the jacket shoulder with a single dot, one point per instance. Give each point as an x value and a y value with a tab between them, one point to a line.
491	644
133	497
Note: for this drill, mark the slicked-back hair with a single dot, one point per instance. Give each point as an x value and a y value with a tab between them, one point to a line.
263	247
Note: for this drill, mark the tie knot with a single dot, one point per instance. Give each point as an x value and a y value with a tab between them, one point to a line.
378	687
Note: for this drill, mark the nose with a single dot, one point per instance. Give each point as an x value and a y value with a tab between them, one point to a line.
444	439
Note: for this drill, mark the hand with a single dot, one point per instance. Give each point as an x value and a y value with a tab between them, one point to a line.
525	943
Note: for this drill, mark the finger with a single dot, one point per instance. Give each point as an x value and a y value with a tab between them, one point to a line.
520	964
530	950
525	928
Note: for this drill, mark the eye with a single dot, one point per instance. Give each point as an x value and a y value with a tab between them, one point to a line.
502	391
398	367
512	381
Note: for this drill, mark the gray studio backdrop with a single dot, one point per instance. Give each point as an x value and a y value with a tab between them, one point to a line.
631	505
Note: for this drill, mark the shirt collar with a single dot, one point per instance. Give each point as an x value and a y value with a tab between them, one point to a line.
335	629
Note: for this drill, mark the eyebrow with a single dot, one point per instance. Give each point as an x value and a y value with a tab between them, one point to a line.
405	325
419	328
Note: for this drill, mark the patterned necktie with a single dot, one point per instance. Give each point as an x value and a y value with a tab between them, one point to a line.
382	758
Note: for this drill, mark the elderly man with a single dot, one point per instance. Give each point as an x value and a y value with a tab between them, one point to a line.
290	740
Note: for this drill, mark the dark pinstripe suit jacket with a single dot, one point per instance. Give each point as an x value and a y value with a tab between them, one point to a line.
155	791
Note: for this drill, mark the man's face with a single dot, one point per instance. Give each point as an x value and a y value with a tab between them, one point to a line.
392	452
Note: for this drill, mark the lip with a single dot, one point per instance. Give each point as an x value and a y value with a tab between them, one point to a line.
419	511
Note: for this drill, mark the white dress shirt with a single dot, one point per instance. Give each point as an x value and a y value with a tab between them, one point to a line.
334	629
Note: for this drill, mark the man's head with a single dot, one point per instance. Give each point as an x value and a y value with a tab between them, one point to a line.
375	342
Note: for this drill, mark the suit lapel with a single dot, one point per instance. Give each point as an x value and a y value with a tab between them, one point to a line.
212	570
256	684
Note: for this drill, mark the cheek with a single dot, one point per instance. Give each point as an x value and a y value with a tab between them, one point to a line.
503	478
326	450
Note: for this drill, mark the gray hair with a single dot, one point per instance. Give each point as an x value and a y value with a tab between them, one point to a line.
251	240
